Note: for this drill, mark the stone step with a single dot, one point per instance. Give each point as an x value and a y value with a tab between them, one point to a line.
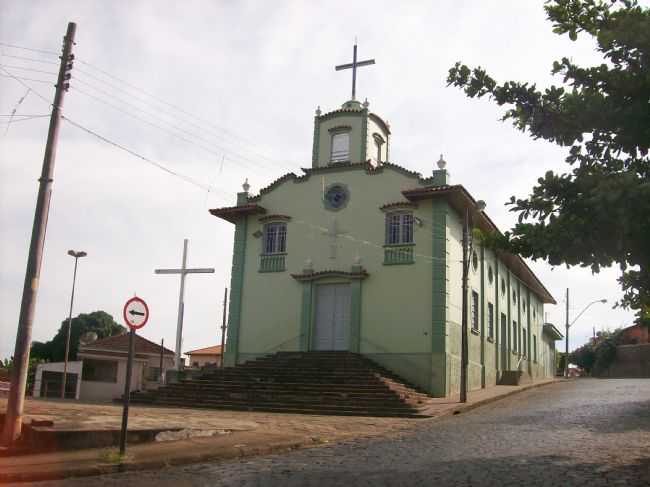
297	382
360	392
254	398
292	408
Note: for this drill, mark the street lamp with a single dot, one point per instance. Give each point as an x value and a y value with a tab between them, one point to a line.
467	252
569	325
76	256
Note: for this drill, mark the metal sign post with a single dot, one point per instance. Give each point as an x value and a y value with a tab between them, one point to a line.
136	314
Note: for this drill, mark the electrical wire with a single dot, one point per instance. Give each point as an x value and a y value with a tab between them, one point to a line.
29	69
23	119
27	79
172	125
42	51
164	129
26	86
188	179
240	140
23	58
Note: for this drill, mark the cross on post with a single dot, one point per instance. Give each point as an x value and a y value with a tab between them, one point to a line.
354	65
183	271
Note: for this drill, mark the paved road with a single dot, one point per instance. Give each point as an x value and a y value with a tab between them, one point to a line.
586	432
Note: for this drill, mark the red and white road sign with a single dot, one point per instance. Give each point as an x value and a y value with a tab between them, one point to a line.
136	313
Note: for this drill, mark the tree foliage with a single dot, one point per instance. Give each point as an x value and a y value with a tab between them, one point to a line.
597	355
598	213
99	322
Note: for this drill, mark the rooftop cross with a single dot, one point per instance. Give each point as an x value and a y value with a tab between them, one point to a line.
354	65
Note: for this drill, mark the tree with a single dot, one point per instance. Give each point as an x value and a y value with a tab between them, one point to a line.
598	354
99	322
597	214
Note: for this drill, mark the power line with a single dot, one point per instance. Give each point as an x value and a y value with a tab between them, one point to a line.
240	140
243	159
204	187
23	119
42	51
28	69
23	58
26	86
26	79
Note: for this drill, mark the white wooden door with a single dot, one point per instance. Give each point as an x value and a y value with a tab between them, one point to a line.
332	317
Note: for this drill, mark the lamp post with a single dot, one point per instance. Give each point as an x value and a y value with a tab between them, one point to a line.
76	256
467	253
569	325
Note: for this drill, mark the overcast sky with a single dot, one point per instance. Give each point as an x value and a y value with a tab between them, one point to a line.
221	91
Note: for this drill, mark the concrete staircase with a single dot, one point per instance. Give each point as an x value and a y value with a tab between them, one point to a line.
333	383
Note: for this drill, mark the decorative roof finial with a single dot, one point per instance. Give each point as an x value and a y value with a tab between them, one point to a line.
246	186
318	112
441	163
366	104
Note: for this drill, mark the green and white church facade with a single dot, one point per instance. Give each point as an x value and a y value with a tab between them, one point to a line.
360	254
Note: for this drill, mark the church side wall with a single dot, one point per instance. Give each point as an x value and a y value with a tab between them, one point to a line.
515	302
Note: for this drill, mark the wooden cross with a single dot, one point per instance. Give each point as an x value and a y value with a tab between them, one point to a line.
183	271
333	233
354	65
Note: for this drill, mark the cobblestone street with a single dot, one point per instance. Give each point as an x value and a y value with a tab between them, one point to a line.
584	432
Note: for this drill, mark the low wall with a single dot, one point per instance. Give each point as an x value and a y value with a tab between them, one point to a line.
631	361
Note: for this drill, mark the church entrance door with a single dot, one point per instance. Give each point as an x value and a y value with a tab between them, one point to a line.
332	320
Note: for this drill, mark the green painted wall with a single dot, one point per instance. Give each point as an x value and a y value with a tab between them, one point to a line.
358	136
392	320
409	315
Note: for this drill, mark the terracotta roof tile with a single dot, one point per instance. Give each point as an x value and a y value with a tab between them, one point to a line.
232	213
120	343
214	350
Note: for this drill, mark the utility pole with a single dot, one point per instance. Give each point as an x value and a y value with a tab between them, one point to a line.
566	341
463	330
162	350
223	324
16	399
468	227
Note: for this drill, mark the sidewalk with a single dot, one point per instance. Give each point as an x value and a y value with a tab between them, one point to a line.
232	434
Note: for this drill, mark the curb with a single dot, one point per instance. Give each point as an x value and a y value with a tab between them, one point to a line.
222	453
227	453
489	400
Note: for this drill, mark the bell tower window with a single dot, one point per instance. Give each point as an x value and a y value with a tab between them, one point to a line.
379	143
340	147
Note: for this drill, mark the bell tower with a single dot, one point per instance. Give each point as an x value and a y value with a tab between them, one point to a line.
350	135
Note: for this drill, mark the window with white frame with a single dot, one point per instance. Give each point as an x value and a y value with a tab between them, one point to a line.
275	238
399	228
474	311
340	147
524	344
514	336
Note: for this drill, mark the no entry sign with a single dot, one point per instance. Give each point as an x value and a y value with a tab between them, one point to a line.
136	313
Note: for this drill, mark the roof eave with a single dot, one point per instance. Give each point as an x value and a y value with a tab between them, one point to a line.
460	200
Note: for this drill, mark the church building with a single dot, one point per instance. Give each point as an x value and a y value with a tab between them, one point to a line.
363	255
